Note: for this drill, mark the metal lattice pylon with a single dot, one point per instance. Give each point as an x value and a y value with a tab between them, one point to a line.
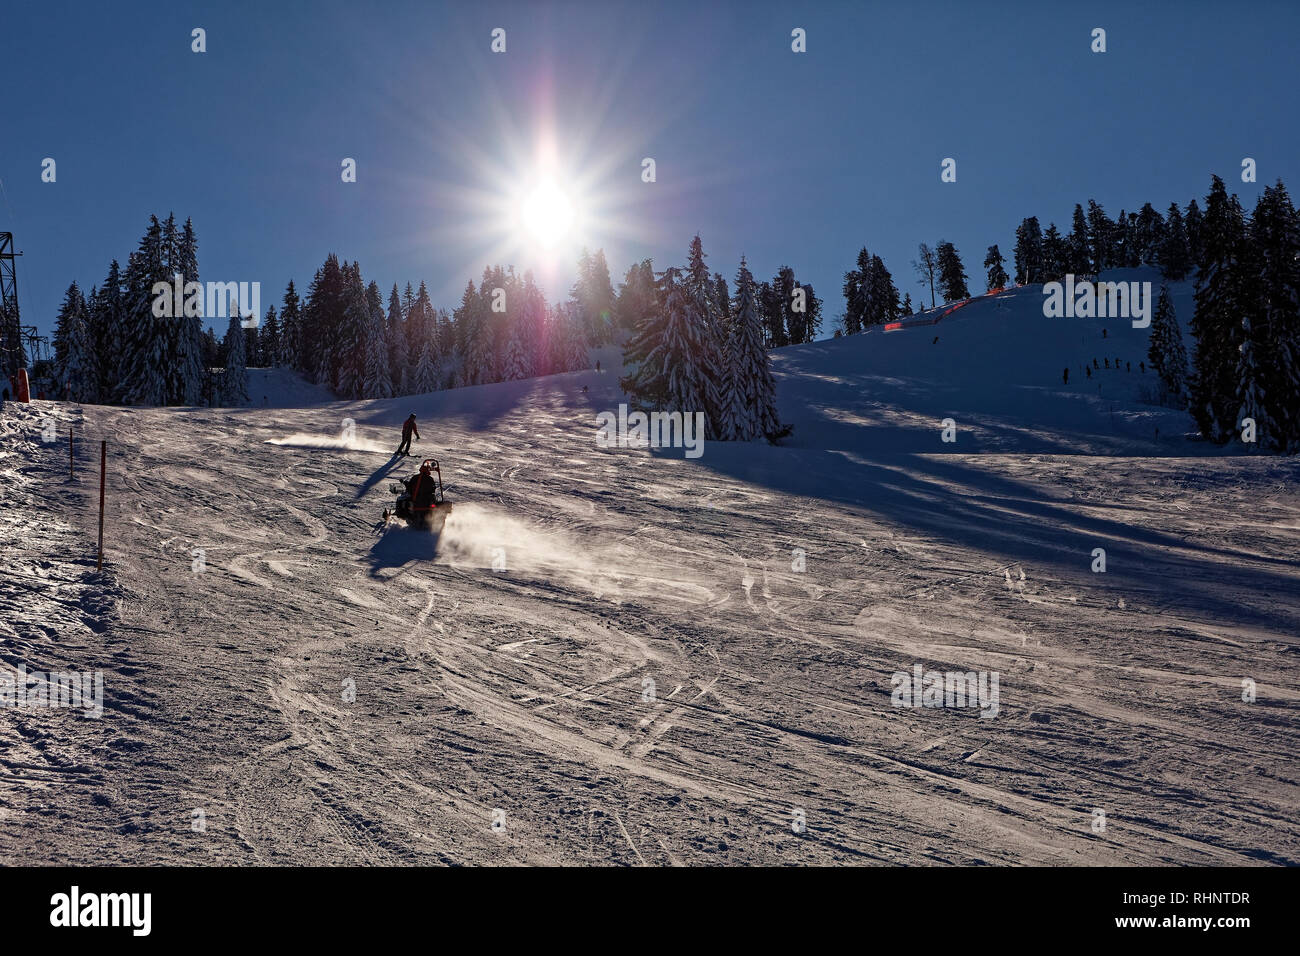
12	354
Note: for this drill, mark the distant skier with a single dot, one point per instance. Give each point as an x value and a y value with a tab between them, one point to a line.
1107	361
597	366
1143	367
1128	366
1065	377
1094	363
1103	333
1088	369
936	340
408	428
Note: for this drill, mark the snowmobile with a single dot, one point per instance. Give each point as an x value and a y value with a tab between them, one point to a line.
421	502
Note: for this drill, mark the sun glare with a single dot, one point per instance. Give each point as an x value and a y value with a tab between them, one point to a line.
547	214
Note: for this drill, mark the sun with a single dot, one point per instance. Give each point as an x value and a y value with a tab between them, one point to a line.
547	214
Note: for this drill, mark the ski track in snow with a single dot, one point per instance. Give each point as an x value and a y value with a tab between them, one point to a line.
524	690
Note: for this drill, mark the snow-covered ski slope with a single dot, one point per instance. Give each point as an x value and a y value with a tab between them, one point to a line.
646	676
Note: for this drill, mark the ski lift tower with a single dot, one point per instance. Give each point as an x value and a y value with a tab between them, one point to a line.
12	354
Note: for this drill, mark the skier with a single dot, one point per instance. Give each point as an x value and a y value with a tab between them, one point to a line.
597	366
1088	370
408	427
1065	377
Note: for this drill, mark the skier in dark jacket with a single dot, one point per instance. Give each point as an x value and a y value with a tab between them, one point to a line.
408	427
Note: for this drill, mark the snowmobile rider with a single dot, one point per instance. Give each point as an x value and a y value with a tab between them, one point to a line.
408	427
420	487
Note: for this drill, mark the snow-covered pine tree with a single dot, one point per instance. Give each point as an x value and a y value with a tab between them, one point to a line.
425	377
636	296
1077	243
952	274
268	337
855	296
697	283
480	355
665	352
1166	352
291	330
147	340
78	371
995	269
352	336
377	383
1055	262
721	302
464	319
517	365
106	329
1133	248
1275	229
1150	235
807	325
1194	222
750	410
73	366
322	336
600	304
1251	397
73	301
1028	252
234	380
398	350
884	305
1120	240
1101	236
533	328
576	357
188	371
907	304
1222	299
1174	257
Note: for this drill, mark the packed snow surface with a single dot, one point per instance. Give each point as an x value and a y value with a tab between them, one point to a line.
623	656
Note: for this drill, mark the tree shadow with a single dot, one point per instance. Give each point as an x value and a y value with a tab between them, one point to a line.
950	500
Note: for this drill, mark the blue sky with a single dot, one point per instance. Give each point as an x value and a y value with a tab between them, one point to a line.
795	159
